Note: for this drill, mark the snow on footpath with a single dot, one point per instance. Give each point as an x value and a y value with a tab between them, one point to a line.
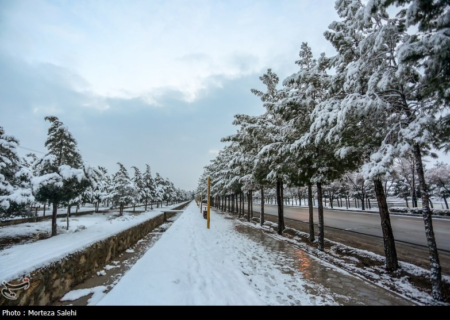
191	265
187	266
20	260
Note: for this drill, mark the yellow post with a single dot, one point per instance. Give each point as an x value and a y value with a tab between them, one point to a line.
201	202
207	207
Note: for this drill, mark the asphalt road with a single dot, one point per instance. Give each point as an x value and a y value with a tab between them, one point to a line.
407	229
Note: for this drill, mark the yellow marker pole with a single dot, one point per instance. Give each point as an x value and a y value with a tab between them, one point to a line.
209	184
201	202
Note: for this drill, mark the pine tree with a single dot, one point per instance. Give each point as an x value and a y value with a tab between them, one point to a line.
159	189
15	189
439	176
272	153
385	103
97	192
138	186
148	191
429	47
344	118
61	177
123	192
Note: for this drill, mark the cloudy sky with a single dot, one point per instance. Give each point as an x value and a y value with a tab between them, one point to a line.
147	82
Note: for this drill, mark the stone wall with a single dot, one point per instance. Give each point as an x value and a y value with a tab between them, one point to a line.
53	281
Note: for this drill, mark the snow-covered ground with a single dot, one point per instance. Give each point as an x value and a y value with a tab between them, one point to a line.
192	264
84	230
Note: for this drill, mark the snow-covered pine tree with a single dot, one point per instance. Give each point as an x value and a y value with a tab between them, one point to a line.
123	189
138	185
15	189
344	118
240	166
29	162
314	158
439	176
253	135
273	152
429	46
61	176
168	191
414	105
301	96
148	190
384	99
218	171
159	189
97	193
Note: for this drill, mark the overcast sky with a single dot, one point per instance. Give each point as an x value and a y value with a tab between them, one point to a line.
147	82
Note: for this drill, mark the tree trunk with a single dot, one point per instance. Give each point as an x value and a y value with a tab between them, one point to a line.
248	206
435	274
386	228
363	198
242	204
261	215
232	203
68	215
146	204
320	211
55	210
45	204
280	206
445	201
311	214
238	204
251	203
413	195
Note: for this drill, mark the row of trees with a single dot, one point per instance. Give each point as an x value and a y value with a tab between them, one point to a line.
353	190
383	97
62	178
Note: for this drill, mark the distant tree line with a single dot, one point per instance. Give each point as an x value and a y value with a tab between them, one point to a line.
61	178
355	124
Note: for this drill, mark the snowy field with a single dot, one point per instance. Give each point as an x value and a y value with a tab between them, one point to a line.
83	231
